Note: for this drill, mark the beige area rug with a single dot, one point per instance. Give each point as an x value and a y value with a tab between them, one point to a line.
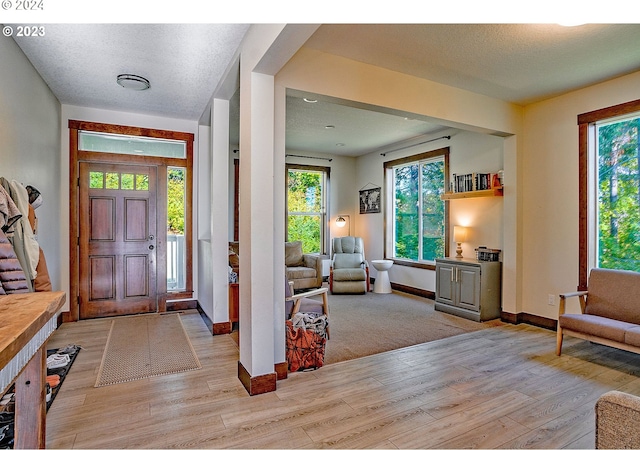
146	346
363	325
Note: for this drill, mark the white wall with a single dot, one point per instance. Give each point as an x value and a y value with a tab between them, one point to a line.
29	147
202	216
70	112
550	194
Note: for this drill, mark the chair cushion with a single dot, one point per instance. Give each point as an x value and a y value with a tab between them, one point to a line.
595	325
347	260
299	272
349	274
614	294
293	254
632	336
348	244
307	305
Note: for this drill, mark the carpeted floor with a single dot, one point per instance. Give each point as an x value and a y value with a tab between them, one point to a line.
367	324
162	347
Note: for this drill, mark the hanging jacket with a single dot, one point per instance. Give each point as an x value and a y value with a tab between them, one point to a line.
24	242
9	212
42	282
12	278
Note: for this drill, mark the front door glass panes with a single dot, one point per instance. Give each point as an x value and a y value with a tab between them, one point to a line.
130	145
176	250
115	180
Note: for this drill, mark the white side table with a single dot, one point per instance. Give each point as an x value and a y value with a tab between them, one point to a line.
382	284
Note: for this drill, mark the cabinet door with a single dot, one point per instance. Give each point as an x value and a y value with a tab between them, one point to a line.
469	284
445	283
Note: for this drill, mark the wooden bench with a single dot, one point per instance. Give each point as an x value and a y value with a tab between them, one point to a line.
610	311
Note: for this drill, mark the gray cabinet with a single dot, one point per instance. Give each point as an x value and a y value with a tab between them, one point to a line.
468	288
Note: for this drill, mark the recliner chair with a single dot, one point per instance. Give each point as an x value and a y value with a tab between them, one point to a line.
349	269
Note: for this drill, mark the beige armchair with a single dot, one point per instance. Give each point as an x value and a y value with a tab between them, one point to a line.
303	269
349	268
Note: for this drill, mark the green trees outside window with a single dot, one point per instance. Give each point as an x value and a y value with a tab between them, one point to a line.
175	200
618	202
305	201
419	213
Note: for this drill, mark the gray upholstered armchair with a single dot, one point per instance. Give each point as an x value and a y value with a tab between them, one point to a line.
303	269
349	269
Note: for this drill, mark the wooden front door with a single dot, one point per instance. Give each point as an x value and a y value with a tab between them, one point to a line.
117	239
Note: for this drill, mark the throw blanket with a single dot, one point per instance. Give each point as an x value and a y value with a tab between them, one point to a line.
312	322
305	345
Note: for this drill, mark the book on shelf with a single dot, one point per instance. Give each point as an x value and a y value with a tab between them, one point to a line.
474	182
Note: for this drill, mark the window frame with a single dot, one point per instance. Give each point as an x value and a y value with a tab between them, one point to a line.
324	221
389	218
586	218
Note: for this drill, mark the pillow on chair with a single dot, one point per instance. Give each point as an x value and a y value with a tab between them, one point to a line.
293	254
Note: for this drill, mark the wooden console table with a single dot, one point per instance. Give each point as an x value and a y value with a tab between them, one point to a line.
27	322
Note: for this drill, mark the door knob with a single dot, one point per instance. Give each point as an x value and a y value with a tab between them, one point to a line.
151	247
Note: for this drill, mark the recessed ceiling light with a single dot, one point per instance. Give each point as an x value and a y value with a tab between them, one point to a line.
339	144
310	100
134	82
330	127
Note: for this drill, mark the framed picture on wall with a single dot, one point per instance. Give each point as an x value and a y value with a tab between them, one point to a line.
370	200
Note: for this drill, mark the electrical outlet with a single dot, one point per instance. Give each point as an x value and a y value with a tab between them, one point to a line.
551	299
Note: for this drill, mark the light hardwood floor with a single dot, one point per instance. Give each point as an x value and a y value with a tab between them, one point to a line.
501	387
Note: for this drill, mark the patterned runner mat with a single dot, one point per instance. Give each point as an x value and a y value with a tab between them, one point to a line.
146	346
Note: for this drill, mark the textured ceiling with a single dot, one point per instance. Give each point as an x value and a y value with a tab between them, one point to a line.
331	126
519	63
184	63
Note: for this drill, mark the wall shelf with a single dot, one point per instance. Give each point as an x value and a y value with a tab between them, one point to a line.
494	192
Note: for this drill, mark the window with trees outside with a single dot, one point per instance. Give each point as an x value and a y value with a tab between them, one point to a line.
618	197
307	192
416	212
610	189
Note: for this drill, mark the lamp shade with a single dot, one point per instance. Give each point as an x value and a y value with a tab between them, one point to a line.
459	234
341	222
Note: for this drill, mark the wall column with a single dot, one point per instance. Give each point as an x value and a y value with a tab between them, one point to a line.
512	239
266	49
220	224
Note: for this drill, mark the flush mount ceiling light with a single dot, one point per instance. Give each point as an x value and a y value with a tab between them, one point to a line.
135	82
310	100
